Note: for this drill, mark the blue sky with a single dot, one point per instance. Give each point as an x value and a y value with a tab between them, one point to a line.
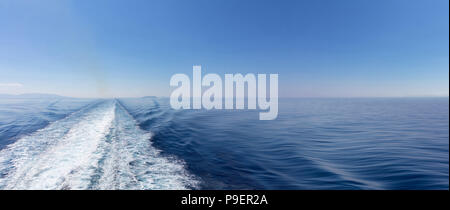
344	48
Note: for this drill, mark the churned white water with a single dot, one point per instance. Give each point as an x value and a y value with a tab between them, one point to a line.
98	147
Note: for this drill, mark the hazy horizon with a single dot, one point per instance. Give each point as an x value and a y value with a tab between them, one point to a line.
284	97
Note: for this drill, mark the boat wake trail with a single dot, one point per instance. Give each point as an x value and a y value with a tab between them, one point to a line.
98	147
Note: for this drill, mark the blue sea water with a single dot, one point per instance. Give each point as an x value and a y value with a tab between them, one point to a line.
141	143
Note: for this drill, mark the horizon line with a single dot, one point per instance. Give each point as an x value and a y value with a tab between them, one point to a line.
112	97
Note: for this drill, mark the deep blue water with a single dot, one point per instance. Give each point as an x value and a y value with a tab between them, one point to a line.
141	143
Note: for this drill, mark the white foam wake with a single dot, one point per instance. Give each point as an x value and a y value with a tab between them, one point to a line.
100	147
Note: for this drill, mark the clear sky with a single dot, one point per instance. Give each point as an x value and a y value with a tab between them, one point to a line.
319	48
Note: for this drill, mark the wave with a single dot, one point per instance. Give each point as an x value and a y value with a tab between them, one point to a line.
98	147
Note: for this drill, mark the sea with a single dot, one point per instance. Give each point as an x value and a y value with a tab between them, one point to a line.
53	142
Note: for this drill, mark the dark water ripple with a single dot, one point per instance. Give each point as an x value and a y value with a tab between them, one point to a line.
397	143
383	143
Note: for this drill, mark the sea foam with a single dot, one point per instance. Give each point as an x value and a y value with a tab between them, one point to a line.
98	147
